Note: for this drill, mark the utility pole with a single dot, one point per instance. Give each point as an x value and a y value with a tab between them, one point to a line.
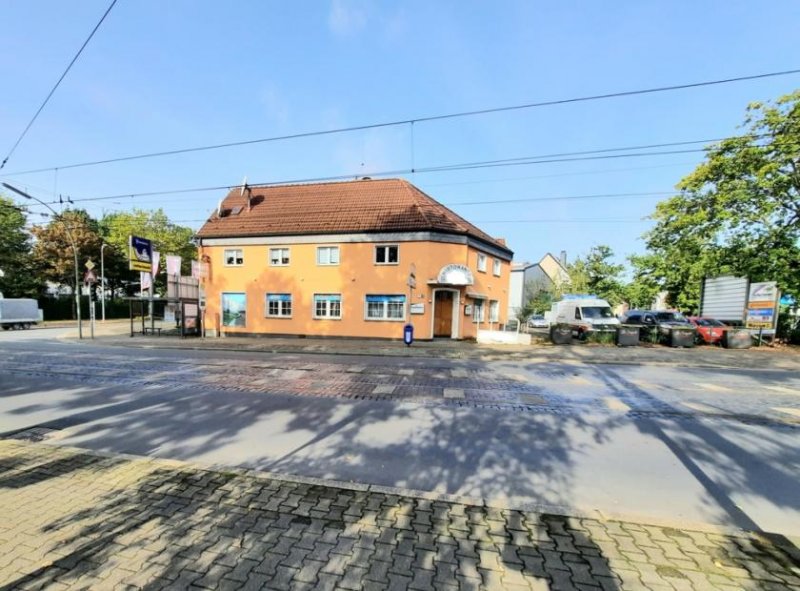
102	283
74	251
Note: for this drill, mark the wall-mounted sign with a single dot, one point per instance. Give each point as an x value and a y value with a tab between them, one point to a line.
140	256
455	275
417	308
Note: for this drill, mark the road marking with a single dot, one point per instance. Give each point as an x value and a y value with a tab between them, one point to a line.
714	387
795	412
453	393
459	373
704	408
613	403
405	372
784	390
580	380
355	369
383	389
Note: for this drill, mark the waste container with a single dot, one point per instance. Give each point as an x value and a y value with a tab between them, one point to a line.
736	339
561	334
680	337
627	335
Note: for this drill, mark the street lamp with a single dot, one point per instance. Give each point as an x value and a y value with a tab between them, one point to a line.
103	283
74	252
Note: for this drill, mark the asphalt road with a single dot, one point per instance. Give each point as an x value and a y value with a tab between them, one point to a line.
665	445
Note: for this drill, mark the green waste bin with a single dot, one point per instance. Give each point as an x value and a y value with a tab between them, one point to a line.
627	335
680	337
736	339
561	334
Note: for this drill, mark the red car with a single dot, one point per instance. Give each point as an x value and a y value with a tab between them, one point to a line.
709	331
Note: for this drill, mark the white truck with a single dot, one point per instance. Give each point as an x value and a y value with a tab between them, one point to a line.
19	313
584	315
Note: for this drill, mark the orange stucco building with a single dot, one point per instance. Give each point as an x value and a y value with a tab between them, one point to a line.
336	259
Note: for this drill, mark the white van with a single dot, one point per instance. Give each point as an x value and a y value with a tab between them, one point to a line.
584	315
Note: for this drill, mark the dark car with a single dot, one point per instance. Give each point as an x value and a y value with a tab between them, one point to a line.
709	330
657	324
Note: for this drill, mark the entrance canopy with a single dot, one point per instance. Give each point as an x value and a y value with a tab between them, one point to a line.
455	275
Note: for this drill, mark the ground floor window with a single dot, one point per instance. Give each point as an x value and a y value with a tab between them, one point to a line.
478	311
279	305
234	309
328	305
494	311
386	307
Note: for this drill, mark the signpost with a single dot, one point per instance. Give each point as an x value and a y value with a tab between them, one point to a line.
89	280
762	307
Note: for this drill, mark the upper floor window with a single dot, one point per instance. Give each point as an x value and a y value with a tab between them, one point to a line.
481	262
279	305
234	257
386	307
496	267
386	254
328	305
278	257
327	255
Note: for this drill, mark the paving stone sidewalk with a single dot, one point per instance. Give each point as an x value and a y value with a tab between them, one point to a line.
70	519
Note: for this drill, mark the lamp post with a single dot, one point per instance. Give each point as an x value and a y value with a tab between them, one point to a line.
74	252
103	283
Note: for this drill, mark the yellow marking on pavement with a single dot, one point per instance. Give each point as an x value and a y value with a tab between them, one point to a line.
714	387
613	403
795	412
704	408
784	390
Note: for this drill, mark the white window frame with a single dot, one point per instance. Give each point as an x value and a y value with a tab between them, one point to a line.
330	249
481	262
496	267
234	264
327	315
385	316
494	311
281	306
386	254
280	262
478	311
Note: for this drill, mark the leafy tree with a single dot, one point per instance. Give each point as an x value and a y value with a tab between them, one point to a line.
167	238
18	277
53	248
738	212
643	288
597	274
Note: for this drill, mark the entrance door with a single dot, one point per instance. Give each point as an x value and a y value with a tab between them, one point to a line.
443	314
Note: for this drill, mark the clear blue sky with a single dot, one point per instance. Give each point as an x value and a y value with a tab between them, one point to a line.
164	75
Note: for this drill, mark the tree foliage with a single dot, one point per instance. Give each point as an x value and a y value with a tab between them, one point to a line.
597	274
738	212
17	278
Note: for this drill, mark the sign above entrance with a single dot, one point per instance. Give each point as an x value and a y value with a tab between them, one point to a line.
455	275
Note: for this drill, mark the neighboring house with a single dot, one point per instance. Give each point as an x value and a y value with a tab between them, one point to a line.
548	273
335	259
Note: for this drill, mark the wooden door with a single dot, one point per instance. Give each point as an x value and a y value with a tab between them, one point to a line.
443	314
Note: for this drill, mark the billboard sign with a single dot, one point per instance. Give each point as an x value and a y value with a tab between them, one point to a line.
724	298
762	305
140	255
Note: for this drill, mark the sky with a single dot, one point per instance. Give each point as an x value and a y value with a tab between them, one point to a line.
160	76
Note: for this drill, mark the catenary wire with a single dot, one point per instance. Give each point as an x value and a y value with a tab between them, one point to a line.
57	84
412	121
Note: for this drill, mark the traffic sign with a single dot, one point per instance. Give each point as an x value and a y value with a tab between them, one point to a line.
90	276
90	265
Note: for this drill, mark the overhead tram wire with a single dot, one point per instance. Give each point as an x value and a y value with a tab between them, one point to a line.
56	85
413	121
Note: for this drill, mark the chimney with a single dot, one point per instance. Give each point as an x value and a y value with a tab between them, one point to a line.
563	258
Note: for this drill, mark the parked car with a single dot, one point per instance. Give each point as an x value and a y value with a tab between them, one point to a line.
538	321
584	315
656	324
709	330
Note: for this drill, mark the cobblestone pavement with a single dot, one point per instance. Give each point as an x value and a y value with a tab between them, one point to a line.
75	520
551	388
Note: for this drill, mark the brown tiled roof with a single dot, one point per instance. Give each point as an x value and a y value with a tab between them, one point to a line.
388	205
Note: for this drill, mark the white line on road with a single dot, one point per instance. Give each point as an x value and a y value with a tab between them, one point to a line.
714	387
453	393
